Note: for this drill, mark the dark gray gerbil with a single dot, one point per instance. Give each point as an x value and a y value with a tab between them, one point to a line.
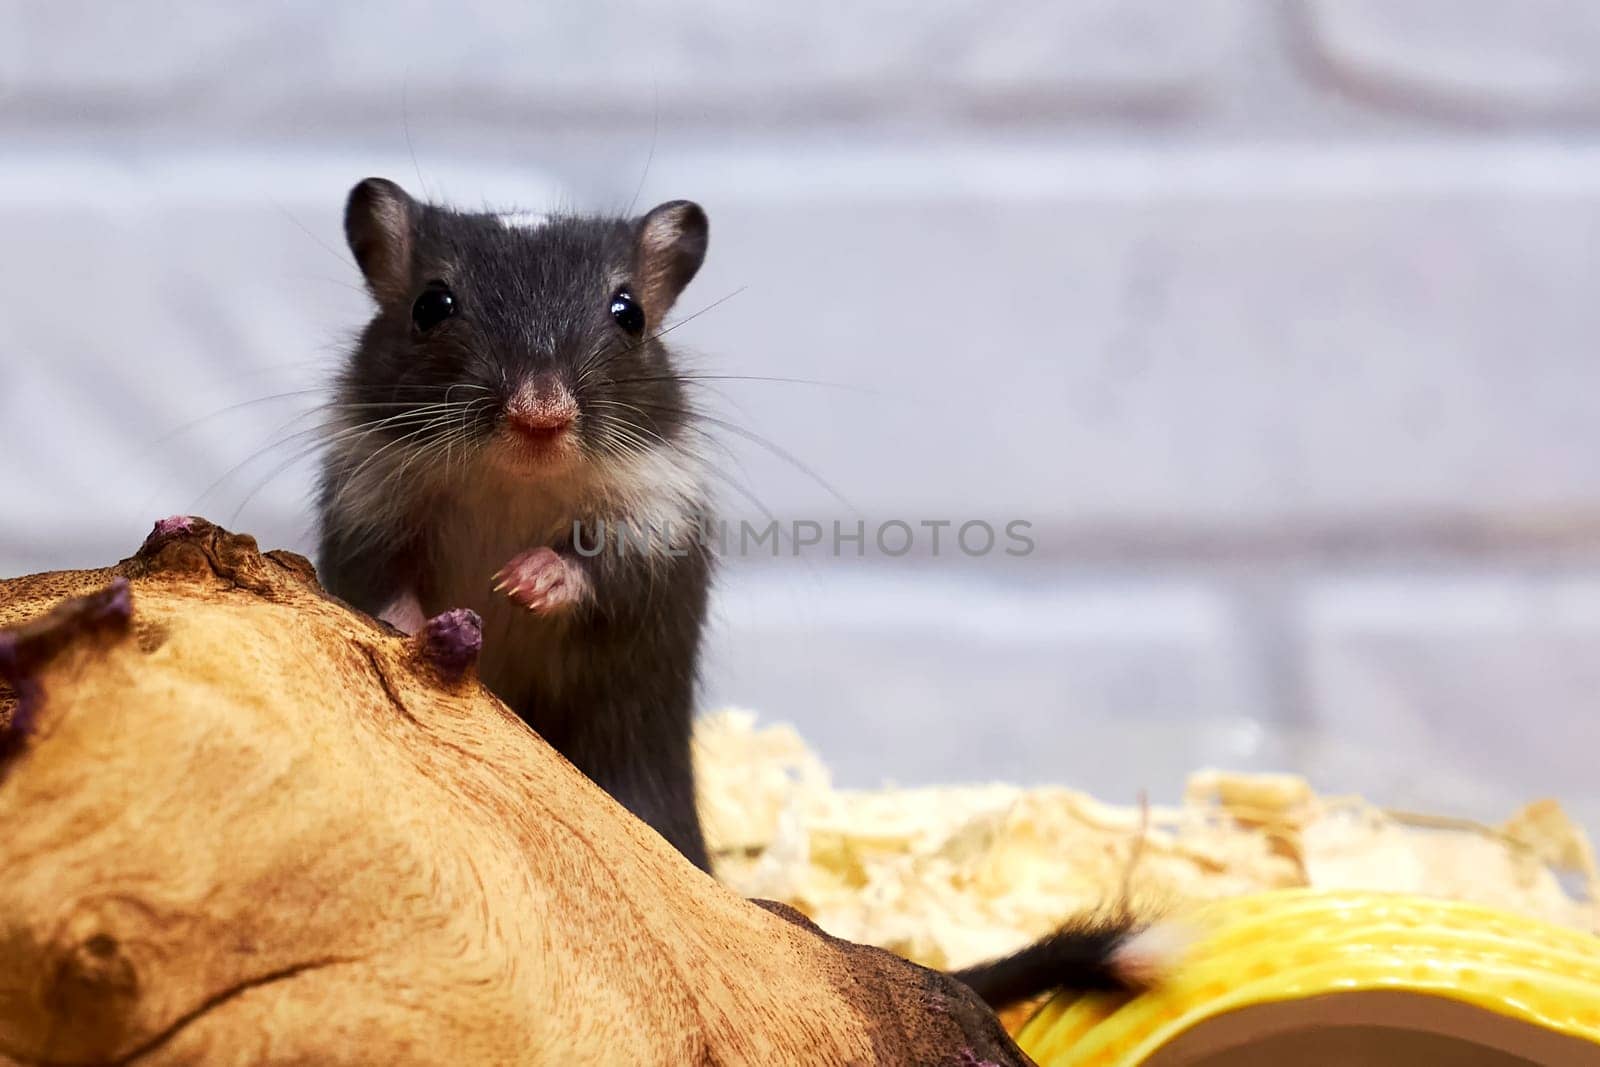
511	388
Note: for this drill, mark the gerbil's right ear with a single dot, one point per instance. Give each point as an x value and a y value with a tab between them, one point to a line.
379	223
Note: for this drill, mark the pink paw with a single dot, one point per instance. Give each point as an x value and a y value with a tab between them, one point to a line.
404	613
542	581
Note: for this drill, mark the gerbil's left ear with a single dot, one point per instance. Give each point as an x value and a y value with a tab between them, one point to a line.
671	246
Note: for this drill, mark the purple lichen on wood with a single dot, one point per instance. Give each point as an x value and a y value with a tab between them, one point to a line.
166	529
451	641
26	648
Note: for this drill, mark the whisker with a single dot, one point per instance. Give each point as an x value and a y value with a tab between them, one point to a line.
322	437
630	433
763	442
351	479
692	378
329	406
641	342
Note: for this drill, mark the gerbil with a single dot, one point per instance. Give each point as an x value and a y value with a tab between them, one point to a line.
511	390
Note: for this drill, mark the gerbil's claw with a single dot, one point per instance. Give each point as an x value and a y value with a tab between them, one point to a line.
542	581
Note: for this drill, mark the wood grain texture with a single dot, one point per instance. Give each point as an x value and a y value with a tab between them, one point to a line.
248	825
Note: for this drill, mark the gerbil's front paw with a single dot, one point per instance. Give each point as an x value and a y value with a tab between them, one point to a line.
404	613
542	581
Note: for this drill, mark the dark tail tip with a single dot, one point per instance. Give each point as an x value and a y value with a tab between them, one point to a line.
1107	954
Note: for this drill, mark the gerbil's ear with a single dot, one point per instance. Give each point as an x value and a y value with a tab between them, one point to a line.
671	246
379	222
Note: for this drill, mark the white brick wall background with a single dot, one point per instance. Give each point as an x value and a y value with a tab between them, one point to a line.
1275	318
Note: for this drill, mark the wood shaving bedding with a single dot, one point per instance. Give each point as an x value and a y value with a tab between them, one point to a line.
953	875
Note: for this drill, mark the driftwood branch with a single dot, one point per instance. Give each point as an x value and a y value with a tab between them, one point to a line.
244	824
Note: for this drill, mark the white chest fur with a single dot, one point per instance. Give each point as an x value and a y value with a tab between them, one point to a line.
479	523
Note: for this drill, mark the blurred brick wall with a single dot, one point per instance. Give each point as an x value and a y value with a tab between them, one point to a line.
1274	317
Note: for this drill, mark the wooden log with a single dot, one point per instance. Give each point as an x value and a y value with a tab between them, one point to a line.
245	824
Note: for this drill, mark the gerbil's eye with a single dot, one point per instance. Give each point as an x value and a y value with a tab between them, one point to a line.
627	312
436	304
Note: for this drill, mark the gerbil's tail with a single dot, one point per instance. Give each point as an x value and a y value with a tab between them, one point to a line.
1114	952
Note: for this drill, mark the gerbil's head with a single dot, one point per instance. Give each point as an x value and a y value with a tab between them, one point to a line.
530	345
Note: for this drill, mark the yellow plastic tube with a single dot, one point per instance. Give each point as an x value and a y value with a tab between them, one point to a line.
1345	970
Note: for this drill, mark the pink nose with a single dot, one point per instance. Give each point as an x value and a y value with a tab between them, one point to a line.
543	407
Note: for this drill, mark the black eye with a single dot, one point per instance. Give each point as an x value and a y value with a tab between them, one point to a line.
627	313
436	304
